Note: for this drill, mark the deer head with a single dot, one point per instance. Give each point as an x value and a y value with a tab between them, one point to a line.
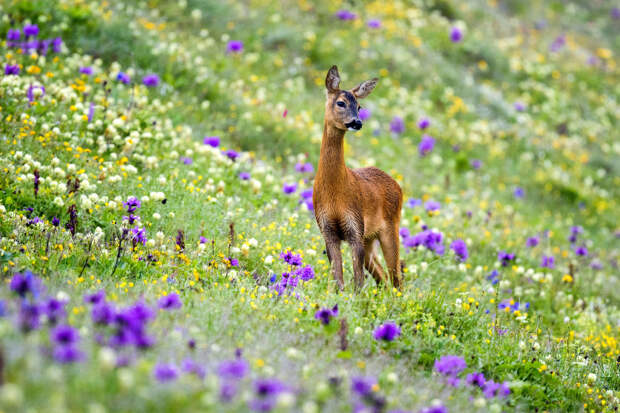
341	107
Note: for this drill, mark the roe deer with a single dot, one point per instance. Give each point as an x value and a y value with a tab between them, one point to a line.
360	206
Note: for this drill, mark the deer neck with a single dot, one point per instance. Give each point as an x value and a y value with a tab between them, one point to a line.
332	169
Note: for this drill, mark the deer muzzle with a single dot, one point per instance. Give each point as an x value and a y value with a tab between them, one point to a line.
355	124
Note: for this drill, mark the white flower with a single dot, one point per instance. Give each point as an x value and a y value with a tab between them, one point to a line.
156	216
268	259
58	201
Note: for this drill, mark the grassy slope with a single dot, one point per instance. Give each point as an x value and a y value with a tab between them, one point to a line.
247	95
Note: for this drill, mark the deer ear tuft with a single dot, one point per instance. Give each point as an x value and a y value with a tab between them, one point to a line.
332	80
363	89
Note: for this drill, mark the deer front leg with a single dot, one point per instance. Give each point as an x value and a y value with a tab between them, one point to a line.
334	255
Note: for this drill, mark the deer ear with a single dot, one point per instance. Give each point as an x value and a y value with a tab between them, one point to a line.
363	89
332	80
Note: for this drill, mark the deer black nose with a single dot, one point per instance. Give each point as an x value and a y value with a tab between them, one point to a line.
354	124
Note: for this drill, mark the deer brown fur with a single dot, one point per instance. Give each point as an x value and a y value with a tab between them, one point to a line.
359	206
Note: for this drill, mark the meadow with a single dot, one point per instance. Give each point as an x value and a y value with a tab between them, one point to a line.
158	247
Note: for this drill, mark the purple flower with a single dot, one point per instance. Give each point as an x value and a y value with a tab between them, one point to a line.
138	236
505	257
31	30
460	249
54	310
67	354
2	309
476	163
387	331
305	273
55	221
86	70
450	365
234	46
324	315
558	43
29	316
346	15
189	366
306	193
364	113
151	80
13	35
132	204
493	277
91	112
374	24
103	313
203	240
304	167
233	369
232	155
532	241
64	335
233	262
213	141
57	45
456	35
24	283
424	123
289	188
432	205
363	385
426	145
397	125
290	258
476	379
615	13
244	176
123	78
435	409
165	372
30	92
170	302
186	160
11	70
519	192
581	251
412	202
547	261
95	298
519	106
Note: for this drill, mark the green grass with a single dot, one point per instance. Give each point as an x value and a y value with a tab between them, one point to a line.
562	150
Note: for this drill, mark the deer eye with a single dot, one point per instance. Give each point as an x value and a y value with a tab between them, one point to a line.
341	104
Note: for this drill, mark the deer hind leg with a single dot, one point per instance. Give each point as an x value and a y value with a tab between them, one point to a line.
371	261
390	244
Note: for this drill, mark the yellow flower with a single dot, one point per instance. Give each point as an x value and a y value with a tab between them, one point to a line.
567	278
